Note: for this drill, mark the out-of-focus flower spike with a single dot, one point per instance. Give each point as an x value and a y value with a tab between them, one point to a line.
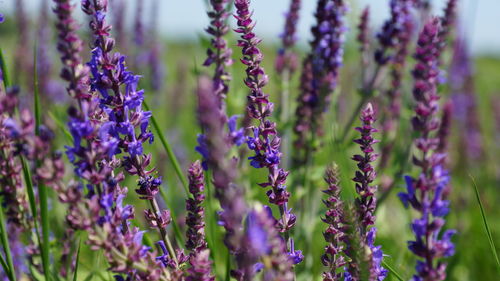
264	142
219	54
265	242
428	191
333	257
286	58
363	36
366	200
230	196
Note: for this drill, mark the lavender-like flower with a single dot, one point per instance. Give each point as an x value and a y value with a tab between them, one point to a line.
219	53
286	58
366	200
265	242
200	269
100	212
195	219
325	61
426	193
365	175
127	126
402	36
265	142
334	234
463	97
230	196
363	37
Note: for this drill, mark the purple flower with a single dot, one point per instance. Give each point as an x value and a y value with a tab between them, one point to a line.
219	52
230	196
366	200
334	235
427	193
287	58
366	174
266	244
265	143
319	75
195	219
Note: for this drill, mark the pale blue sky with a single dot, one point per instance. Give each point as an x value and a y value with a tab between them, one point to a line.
186	18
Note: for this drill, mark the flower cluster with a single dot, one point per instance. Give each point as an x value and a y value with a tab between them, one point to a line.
286	58
195	219
335	232
230	196
426	193
366	200
126	127
265	242
265	142
219	53
403	25
323	63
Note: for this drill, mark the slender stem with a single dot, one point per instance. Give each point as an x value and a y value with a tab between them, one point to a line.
163	232
168	148
6	247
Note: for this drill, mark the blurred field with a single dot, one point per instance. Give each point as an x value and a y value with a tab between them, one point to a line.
174	107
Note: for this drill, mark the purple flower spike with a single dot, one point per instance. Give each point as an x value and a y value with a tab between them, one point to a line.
427	193
366	174
219	53
366	200
363	37
286	58
195	219
234	209
265	142
334	234
265	242
319	75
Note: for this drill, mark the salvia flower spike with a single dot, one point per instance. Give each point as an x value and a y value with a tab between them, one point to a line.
366	200
334	235
320	75
230	196
219	54
426	193
265	142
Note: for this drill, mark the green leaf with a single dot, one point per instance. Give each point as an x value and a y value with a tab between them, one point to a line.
42	190
5	266
75	274
5	72
485	223
29	187
393	272
170	153
6	246
61	126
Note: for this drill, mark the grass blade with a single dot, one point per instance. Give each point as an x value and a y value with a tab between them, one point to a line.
6	246
61	126
75	274
5	266
485	222
170	152
42	190
393	272
5	72
29	188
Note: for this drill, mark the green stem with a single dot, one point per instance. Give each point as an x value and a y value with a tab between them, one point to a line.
168	148
6	246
